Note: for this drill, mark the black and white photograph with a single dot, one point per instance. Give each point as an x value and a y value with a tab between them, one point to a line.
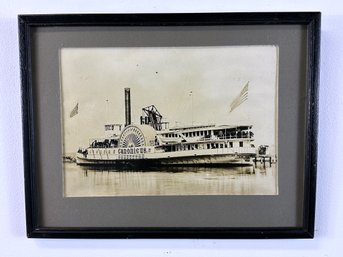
163	121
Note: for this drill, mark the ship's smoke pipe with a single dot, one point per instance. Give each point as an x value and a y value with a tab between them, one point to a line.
127	107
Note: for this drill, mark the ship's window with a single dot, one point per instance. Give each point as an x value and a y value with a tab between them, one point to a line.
198	133
221	145
189	147
208	146
216	145
231	144
241	144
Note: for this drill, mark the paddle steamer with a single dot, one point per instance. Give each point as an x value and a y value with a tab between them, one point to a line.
152	143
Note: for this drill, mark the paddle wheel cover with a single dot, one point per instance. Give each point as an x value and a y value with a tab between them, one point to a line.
137	136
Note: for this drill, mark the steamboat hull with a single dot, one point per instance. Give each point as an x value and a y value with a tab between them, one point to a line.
221	160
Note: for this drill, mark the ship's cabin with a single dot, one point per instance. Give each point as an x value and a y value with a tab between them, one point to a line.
209	132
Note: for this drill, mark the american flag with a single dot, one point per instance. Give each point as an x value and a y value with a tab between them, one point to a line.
74	111
242	97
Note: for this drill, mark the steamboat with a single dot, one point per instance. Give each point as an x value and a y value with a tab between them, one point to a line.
152	143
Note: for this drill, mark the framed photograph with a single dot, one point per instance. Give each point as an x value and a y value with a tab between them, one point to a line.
199	125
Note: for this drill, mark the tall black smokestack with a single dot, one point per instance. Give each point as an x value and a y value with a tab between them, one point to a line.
127	107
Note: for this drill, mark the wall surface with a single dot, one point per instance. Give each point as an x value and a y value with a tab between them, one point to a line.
329	212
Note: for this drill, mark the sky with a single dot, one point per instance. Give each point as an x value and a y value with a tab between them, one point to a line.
188	85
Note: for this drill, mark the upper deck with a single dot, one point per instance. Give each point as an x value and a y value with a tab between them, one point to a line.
205	133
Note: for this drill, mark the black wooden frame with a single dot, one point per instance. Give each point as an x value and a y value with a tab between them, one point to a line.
309	19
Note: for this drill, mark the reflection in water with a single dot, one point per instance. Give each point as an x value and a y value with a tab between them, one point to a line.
252	180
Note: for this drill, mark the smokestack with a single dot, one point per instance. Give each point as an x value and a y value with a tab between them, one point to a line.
127	107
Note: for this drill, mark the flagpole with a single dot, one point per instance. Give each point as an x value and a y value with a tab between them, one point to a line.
107	118
192	106
191	95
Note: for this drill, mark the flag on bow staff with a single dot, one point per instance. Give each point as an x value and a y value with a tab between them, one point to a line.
243	96
74	111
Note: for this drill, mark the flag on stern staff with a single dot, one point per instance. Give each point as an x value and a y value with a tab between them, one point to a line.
242	97
74	111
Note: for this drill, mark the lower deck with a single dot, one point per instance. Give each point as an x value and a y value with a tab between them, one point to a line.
152	155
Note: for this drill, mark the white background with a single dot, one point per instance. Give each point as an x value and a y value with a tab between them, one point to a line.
329	211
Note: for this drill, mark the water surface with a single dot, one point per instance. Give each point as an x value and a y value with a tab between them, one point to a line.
260	179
